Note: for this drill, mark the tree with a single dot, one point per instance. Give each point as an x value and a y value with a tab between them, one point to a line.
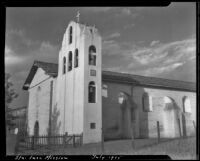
10	95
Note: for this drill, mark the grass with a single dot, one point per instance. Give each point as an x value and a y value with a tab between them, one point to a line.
176	148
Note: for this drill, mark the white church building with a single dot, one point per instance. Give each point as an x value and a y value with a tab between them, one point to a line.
77	97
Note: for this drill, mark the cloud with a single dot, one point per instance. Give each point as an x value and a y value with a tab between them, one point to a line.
117	49
166	53
126	11
157	59
147	56
129	26
18	41
185	72
159	70
11	58
20	35
130	12
47	50
120	11
154	43
165	60
111	47
113	35
19	47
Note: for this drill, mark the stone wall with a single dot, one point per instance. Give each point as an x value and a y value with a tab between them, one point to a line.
148	119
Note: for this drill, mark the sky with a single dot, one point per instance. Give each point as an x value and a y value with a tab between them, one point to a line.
150	41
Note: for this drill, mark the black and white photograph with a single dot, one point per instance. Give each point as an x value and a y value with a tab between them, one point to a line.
107	80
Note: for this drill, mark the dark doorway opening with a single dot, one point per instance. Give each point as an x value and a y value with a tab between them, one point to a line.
36	129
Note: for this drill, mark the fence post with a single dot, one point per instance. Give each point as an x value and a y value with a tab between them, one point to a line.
158	131
48	140
32	142
73	140
64	138
17	143
184	125
179	127
81	139
132	137
102	140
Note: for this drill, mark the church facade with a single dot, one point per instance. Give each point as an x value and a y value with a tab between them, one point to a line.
77	97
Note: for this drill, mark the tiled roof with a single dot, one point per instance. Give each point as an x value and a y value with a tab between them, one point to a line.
148	81
52	70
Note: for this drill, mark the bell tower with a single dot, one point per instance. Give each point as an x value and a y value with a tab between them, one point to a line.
79	77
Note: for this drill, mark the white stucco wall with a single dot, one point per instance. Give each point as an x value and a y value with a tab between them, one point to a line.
60	94
92	111
72	96
70	85
39	102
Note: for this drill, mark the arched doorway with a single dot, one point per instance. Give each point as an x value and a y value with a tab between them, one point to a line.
126	117
121	125
36	129
170	118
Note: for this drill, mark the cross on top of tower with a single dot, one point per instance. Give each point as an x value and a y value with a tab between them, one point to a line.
78	16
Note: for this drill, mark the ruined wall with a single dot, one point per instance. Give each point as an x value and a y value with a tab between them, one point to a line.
112	113
145	123
148	119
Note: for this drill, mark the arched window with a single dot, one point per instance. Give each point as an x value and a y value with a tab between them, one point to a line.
92	92
70	61
186	104
92	56
64	65
147	102
70	34
76	58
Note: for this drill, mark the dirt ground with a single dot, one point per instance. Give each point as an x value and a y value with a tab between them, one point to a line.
10	143
175	148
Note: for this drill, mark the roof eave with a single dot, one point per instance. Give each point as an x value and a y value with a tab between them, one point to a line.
136	83
32	72
30	76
